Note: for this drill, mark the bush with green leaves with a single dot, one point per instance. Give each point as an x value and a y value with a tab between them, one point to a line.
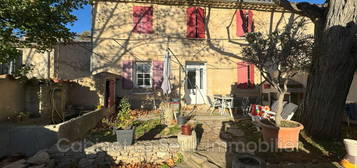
123	119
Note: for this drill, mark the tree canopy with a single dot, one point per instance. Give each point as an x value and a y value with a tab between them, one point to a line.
334	63
279	56
34	23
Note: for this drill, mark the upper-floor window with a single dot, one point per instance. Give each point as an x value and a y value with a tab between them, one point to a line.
143	74
245	22
143	19
195	22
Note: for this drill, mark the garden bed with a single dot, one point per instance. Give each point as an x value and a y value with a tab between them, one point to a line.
144	130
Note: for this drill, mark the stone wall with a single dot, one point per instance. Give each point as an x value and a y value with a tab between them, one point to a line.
77	128
88	155
30	139
11	99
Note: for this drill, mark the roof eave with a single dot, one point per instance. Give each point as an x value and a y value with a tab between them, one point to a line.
224	4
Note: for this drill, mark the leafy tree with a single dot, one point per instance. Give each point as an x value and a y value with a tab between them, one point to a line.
334	63
280	56
34	23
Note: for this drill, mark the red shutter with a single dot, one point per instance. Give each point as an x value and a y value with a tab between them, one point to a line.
242	70
240	24
191	22
158	69
200	23
143	19
250	21
251	75
127	74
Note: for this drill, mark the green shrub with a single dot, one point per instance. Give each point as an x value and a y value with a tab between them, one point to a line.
123	119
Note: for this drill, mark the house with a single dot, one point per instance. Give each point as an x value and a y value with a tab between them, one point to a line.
204	39
53	88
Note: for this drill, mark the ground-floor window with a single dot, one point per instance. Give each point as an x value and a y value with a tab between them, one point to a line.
143	75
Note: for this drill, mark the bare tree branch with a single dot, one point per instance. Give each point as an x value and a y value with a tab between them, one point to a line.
312	11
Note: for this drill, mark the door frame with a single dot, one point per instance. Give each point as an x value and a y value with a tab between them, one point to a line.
203	91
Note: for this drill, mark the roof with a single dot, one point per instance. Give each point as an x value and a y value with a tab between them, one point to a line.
262	5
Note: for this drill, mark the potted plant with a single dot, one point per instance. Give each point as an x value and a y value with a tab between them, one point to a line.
279	56
122	123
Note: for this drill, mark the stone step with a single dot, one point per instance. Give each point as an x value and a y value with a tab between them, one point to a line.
195	160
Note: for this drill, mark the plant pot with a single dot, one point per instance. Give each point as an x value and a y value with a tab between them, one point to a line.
125	137
181	120
281	137
351	147
186	130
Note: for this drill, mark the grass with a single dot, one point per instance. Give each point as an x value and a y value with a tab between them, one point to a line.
142	127
144	130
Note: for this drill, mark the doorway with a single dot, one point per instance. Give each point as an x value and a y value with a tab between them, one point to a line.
195	87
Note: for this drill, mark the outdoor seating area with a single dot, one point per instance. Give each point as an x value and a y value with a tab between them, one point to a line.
222	103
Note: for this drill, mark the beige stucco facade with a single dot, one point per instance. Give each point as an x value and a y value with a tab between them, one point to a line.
64	61
115	42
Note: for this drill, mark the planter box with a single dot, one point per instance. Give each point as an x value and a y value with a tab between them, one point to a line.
282	137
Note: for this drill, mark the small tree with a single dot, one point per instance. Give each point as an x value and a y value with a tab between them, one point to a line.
280	56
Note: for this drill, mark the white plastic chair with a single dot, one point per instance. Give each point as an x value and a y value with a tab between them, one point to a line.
213	104
287	113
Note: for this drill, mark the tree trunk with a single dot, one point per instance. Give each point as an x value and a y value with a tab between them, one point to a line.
333	67
279	109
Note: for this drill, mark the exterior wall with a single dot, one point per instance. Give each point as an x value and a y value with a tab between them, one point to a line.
41	62
65	61
352	95
82	97
73	60
114	42
12	98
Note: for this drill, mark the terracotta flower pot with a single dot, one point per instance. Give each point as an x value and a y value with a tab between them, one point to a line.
186	130
282	137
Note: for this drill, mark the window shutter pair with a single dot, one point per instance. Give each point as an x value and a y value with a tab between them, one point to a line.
195	22
245	22
245	72
143	19
127	74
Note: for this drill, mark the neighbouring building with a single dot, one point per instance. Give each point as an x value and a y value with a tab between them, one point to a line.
56	87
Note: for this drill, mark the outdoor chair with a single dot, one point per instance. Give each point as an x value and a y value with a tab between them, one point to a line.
287	113
213	104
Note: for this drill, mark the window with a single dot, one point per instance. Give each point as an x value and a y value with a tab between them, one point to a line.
143	74
191	81
12	66
143	19
195	22
245	23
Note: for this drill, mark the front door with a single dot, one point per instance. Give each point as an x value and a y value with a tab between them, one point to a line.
195	92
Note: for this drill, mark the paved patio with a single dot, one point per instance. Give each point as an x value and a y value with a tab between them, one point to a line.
218	136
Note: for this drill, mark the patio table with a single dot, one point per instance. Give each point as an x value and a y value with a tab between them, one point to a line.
226	103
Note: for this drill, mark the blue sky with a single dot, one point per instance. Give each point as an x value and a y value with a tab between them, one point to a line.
84	17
